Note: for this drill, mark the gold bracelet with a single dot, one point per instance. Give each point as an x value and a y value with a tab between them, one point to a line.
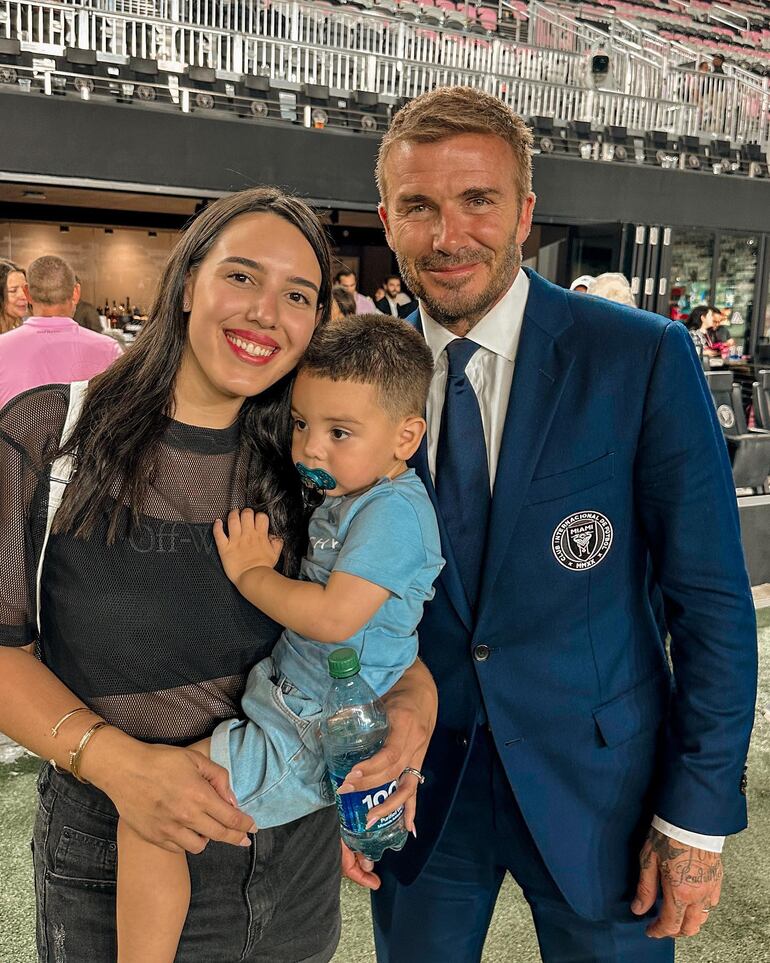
67	715
75	754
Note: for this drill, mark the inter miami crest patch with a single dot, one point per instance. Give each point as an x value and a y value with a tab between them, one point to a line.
582	540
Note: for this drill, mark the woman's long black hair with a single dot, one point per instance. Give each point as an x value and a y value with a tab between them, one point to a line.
126	409
697	315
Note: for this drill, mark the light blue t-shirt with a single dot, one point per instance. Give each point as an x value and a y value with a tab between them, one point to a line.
387	535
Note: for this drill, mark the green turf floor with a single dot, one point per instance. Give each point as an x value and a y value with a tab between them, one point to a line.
738	932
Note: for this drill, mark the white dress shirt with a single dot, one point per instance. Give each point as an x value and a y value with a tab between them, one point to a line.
490	372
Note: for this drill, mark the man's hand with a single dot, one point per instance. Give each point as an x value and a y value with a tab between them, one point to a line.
359	869
247	544
691	880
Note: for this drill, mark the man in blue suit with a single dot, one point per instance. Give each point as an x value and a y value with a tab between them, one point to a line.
572	449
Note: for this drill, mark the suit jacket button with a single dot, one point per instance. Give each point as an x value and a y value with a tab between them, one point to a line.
462	740
481	652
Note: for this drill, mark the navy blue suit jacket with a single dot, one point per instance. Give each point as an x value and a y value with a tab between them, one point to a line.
609	415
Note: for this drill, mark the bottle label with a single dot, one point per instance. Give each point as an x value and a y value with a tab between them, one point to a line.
353	807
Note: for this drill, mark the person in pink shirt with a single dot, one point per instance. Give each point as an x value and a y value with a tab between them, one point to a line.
348	280
51	348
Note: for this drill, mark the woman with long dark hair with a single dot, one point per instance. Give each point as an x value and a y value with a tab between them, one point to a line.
13	300
700	324
143	644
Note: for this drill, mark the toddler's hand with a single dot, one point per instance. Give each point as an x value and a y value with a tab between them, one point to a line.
247	543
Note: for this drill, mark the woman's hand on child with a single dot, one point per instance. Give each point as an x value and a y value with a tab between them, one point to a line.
215	776
247	544
173	797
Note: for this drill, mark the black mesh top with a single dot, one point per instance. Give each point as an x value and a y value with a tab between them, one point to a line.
148	632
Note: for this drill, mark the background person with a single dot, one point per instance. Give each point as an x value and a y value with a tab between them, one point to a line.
560	744
614	287
13	299
138	623
700	324
582	283
395	301
362	304
721	330
50	347
343	303
86	314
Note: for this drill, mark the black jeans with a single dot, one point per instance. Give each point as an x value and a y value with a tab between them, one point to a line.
277	902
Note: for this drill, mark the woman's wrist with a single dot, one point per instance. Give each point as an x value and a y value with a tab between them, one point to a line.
107	757
416	680
415	691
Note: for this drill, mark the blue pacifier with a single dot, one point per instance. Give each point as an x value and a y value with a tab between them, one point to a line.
316	478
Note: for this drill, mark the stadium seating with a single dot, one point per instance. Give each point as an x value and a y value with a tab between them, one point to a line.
760	399
749	450
396	49
743	39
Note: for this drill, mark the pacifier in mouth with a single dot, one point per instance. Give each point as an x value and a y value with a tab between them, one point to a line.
316	478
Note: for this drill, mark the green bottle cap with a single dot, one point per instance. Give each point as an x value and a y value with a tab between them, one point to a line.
343	663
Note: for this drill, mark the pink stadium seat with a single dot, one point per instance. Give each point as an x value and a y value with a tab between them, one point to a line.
488	18
468	10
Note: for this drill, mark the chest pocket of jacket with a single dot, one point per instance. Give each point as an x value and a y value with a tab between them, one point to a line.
571	481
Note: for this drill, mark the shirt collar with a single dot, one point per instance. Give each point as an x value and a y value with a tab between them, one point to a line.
50	322
498	331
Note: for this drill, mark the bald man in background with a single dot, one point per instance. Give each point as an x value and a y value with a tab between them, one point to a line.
50	347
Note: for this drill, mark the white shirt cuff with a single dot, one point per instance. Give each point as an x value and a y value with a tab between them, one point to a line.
713	844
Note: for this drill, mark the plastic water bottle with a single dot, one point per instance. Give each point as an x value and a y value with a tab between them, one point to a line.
354	727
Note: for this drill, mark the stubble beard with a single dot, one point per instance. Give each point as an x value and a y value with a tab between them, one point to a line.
455	309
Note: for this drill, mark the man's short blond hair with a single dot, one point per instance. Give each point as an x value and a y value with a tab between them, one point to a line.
449	111
50	280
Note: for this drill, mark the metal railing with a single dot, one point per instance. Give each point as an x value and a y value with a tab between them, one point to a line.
598	106
724	106
734	106
351	50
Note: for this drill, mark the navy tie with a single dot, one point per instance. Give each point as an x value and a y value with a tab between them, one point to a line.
462	475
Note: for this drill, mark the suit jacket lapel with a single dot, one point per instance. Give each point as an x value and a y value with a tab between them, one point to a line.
541	371
450	576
